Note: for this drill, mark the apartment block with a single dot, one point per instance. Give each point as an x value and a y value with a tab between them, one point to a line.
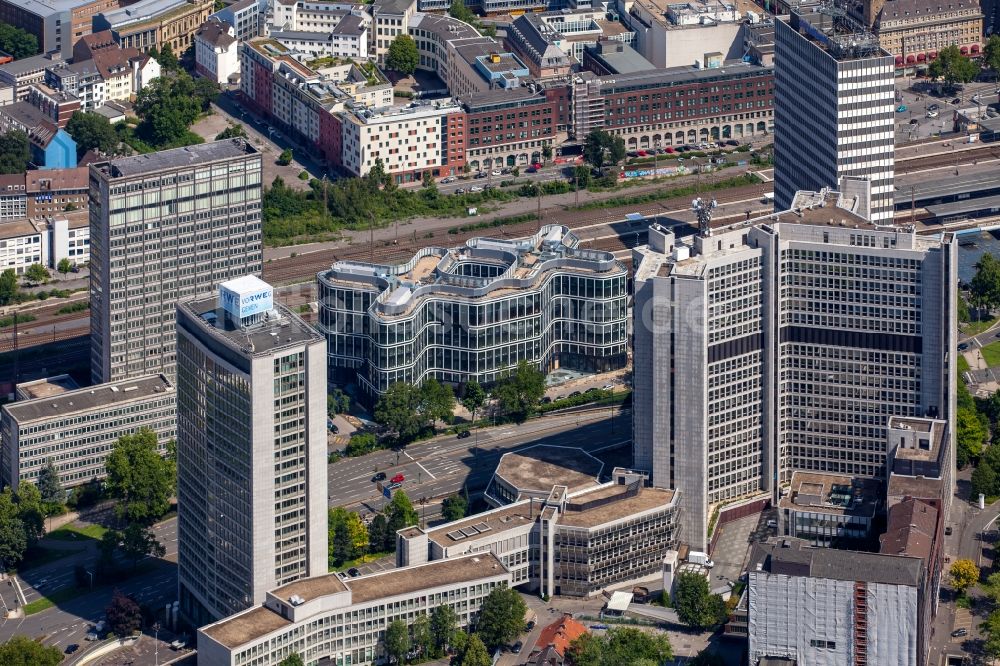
216	51
474	312
44	240
786	344
163	227
246	17
326	619
848	128
13	200
251	450
676	106
670	34
76	429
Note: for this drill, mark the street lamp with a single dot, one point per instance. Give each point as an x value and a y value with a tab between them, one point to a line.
156	643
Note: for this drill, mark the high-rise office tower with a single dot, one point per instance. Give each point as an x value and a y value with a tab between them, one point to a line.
834	109
251	449
698	362
786	344
163	227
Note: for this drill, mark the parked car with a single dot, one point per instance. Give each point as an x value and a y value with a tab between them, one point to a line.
529	626
960	632
462	434
460	190
933	107
957	100
517	647
531	169
669	149
378	477
353	572
481	174
496	172
449	179
901	108
732	142
91	636
71	648
399	478
772	523
641	153
537	165
475	188
947	531
963	346
598	626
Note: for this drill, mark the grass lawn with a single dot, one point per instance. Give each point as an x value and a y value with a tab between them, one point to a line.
991	354
62	595
74	533
977	327
963	365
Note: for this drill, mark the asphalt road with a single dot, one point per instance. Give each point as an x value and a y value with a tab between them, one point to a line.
68	622
443	465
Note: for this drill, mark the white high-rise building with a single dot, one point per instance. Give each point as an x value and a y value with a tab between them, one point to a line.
251	450
163	227
834	109
786	344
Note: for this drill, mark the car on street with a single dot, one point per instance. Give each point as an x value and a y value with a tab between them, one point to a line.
914	121
957	100
517	647
772	523
529	626
933	107
91	636
901	108
598	626
947	531
481	174
399	478
462	434
460	190
732	142
963	346
71	648
496	172
378	477
932	114
608	387
475	188
449	179
960	632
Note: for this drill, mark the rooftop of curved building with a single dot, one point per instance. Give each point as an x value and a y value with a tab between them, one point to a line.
502	266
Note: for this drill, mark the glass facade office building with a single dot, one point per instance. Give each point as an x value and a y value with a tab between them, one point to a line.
472	313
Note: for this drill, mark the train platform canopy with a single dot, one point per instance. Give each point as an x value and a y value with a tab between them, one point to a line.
984	205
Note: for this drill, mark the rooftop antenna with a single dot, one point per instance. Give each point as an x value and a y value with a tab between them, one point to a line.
703	210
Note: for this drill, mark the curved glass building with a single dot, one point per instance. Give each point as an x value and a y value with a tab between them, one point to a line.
473	312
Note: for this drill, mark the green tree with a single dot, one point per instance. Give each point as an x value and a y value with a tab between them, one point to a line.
337	402
235	131
444	624
991	628
378	533
31	511
437	401
8	287
403	55
984	290
399	514
621	645
48	484
474	398
360	444
169	104
36	274
420	631
970	433
92	131
106	549
454	507
696	606
601	148
984	480
21	650
399	410
518	392
475	653
167	59
991	53
64	266
140	478
397	641
286	157
501	617
458	10
15	152
17	42
340	547
952	66
124	615
13	535
138	541
292	660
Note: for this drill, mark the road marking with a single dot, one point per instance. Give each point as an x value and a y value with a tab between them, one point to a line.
426	471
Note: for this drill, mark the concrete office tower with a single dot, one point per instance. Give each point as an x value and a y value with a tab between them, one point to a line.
163	227
834	106
786	344
698	352
251	450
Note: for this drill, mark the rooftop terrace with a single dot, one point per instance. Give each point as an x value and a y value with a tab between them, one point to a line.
833	494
